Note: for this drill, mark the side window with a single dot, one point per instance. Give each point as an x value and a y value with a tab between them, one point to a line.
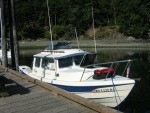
37	62
65	62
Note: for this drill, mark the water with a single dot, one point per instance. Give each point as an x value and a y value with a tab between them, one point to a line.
138	101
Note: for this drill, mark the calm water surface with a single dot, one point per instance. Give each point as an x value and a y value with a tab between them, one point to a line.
138	101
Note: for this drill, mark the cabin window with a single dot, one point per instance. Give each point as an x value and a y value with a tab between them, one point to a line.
77	59
65	62
44	62
37	62
47	63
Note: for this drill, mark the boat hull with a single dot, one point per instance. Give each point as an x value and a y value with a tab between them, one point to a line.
109	95
110	92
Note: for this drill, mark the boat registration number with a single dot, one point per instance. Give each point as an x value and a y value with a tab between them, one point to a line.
103	90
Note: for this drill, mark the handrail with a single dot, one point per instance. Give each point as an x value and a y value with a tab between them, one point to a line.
114	62
126	67
109	71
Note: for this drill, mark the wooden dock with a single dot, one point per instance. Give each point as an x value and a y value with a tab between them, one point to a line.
27	95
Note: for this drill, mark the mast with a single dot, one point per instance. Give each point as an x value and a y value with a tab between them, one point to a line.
94	30
49	19
77	38
50	30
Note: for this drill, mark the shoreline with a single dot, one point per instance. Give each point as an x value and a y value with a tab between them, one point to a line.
90	44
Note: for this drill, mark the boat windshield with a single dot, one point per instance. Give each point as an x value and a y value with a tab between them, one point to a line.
77	59
65	62
88	59
46	62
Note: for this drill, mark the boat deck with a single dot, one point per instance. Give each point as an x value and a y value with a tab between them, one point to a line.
23	96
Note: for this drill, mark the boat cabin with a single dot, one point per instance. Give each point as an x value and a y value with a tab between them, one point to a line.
61	64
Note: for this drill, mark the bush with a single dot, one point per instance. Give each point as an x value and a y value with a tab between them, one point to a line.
58	30
31	30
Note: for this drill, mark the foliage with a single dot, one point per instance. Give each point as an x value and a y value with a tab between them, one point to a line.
59	30
131	15
137	21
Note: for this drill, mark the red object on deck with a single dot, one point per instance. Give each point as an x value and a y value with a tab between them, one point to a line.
104	71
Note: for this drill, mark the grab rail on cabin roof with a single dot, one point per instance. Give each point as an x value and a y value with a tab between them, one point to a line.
112	64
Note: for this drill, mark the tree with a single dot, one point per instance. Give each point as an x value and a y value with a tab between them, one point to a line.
134	19
132	16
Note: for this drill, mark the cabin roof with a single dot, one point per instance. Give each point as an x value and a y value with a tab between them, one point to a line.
61	53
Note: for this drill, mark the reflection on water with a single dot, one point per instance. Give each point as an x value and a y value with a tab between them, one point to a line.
26	56
138	101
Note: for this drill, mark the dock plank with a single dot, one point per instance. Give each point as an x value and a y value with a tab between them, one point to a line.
61	108
43	107
21	106
34	91
22	98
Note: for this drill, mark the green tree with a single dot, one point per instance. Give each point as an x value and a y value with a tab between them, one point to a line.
131	15
58	30
30	16
134	18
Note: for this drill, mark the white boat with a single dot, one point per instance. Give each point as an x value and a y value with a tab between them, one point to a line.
8	52
74	70
8	57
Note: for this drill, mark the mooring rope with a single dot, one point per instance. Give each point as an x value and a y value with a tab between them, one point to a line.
114	88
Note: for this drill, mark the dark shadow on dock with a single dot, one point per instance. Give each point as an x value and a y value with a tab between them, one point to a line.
11	87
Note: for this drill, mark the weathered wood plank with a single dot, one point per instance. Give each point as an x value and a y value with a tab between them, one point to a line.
45	107
23	98
41	108
33	104
58	109
77	108
25	103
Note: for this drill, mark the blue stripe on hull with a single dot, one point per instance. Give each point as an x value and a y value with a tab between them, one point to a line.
83	88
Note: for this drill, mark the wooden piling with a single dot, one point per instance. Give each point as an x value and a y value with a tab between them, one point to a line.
3	31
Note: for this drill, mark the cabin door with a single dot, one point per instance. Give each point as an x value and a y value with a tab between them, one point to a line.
49	68
37	69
